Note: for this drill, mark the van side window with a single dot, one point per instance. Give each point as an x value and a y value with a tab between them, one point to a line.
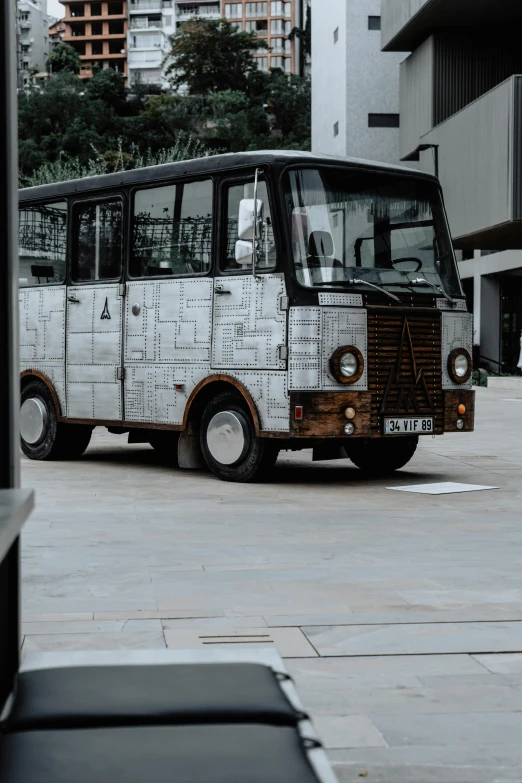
98	241
42	237
172	230
239	249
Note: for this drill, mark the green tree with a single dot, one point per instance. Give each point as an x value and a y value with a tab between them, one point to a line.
209	55
107	85
64	58
290	104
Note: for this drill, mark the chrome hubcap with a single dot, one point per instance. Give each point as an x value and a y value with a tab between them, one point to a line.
33	420
227	437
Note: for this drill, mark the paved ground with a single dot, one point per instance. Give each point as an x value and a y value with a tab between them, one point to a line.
400	615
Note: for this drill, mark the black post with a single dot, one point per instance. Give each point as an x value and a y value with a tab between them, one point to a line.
9	373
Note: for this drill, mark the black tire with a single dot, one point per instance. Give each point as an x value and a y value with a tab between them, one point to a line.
259	454
165	444
59	439
381	456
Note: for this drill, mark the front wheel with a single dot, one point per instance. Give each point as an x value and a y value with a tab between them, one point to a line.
42	436
380	456
229	443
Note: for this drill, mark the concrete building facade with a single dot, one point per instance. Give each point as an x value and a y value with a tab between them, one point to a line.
32	38
355	86
461	113
98	32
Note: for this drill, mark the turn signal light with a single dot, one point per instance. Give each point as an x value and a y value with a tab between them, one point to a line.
350	413
298	412
461	409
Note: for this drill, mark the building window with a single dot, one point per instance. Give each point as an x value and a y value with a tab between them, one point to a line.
96	9
115	9
277	27
383	120
260	26
238	26
234	11
336	35
96	28
288	64
276	62
374	23
168	21
262	63
256	9
336	128
97	47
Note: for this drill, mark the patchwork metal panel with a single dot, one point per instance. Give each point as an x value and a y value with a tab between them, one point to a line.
457	332
42	335
169	321
151	394
304	349
249	325
270	394
343	326
94	352
340	300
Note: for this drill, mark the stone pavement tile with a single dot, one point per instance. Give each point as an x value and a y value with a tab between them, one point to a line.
166	614
463	763
449	730
213	622
289	642
351	731
59	617
72	605
389	669
275	621
133	640
416	639
507	663
78	626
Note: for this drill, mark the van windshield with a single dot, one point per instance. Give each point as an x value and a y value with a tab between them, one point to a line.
376	227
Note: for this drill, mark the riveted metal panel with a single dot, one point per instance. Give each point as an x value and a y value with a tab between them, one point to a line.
249	325
343	326
269	392
340	300
304	344
42	335
94	352
151	394
168	321
457	332
460	305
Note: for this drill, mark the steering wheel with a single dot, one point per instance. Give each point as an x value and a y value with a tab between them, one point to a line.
414	263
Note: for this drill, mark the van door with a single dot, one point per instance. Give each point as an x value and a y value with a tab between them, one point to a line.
94	311
249	322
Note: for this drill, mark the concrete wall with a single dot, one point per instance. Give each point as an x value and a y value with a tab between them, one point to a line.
416	96
396	14
350	80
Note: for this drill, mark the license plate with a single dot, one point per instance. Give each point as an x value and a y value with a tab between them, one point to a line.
418	425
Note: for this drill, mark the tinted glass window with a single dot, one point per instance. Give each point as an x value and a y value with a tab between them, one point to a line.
172	230
42	240
97	250
237	247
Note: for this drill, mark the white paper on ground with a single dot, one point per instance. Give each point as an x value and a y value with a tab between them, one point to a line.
441	488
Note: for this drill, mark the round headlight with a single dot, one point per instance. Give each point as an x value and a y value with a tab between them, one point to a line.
348	365
461	365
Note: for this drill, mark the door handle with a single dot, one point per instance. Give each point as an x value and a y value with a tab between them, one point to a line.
73	300
221	291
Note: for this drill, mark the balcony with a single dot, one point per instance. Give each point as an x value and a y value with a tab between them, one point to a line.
406	23
184	13
149	5
480	169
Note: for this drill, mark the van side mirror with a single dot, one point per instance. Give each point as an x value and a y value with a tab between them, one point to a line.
246	222
244	252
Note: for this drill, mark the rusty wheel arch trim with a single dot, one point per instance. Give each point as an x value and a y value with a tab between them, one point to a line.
45	379
232	382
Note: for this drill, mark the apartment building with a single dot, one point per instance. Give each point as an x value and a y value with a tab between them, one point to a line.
56	33
355	86
98	32
151	23
274	22
32	39
461	116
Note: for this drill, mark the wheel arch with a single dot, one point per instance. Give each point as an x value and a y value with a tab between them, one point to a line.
211	386
28	375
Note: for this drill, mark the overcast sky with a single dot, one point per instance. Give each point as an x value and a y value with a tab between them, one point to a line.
54	8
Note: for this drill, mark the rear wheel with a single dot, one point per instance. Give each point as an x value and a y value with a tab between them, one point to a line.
229	443
42	436
165	443
378	457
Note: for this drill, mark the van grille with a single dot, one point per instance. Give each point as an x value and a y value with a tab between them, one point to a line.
404	366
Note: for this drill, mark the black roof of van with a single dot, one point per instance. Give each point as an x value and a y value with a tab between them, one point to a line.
207	165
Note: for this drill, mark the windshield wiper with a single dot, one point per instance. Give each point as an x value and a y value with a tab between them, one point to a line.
356	281
423	281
